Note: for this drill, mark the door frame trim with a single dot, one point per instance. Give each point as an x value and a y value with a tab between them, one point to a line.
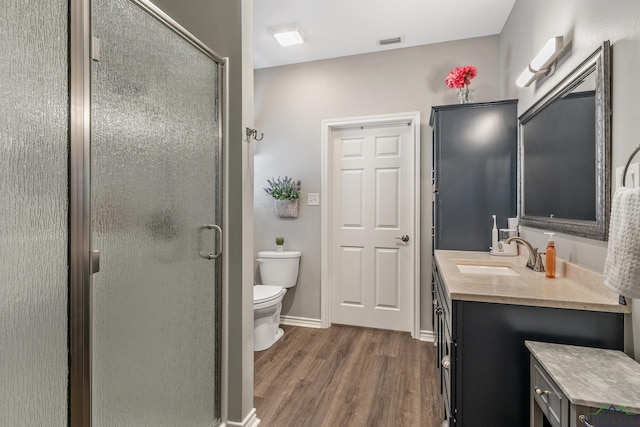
79	324
328	126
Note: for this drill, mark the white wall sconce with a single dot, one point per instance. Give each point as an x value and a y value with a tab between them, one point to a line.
544	63
288	35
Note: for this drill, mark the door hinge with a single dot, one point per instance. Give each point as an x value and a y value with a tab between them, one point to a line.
94	261
95	49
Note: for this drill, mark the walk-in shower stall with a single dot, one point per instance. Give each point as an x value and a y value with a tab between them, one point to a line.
111	175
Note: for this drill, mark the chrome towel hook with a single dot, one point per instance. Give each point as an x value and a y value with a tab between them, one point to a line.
253	133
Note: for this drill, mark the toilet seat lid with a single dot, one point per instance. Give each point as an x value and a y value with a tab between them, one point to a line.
279	254
264	293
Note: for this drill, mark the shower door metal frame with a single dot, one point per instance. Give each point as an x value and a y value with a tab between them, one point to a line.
80	244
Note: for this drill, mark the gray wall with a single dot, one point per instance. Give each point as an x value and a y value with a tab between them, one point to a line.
585	24
290	103
226	27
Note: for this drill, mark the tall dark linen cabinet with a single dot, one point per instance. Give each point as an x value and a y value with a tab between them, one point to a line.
475	150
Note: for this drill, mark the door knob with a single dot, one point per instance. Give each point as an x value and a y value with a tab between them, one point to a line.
404	238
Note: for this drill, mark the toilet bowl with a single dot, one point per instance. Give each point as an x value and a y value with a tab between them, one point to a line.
267	302
278	271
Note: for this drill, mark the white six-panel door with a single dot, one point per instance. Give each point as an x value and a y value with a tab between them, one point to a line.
372	208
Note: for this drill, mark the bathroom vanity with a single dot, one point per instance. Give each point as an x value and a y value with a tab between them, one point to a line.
484	315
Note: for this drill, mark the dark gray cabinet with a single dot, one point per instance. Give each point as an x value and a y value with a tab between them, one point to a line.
475	172
483	362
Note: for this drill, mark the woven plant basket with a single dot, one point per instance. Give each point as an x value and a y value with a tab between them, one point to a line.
286	208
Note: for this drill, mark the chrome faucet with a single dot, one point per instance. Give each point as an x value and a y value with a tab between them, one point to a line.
535	258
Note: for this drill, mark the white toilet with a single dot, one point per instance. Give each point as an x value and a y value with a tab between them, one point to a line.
278	271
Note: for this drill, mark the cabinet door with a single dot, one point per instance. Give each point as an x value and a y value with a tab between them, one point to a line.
548	396
475	156
445	348
493	363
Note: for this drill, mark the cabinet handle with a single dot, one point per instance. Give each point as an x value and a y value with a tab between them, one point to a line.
446	364
583	419
437	309
540	392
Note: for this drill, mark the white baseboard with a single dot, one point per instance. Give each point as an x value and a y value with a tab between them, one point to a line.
304	322
427	336
251	420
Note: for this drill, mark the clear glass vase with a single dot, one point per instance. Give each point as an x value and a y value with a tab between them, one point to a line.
465	95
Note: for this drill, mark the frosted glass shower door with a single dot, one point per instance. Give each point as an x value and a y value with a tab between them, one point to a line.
155	190
34	151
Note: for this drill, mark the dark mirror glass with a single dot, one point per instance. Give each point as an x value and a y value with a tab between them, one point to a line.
560	156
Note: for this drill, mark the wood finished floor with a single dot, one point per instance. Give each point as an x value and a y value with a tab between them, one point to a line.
348	377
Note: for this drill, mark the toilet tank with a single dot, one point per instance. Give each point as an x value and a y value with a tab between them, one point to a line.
279	268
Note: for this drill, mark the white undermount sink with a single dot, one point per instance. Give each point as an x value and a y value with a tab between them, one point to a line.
494	270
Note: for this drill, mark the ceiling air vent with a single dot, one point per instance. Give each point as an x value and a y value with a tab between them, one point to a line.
392	40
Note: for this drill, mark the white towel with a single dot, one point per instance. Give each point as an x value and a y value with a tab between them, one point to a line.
622	267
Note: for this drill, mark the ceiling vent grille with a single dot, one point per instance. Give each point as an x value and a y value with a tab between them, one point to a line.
392	40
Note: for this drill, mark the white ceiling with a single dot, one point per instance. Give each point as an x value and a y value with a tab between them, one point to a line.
335	28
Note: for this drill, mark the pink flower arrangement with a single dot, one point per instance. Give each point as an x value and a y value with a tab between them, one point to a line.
461	76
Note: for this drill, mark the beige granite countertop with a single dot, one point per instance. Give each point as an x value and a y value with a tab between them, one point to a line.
575	287
591	377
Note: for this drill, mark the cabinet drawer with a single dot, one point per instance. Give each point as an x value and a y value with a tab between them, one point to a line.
549	397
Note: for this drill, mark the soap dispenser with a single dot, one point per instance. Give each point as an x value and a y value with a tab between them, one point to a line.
550	255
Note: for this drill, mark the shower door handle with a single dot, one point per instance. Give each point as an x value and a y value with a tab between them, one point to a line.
218	251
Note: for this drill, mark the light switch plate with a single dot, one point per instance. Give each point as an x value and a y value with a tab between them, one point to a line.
313	199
